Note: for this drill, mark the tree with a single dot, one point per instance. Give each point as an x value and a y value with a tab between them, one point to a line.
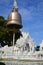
6	34
2	29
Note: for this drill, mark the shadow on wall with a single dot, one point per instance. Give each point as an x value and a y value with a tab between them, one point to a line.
1	63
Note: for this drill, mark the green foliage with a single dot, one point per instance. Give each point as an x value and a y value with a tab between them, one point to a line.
6	34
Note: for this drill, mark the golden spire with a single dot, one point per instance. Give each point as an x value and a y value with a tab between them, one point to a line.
15	4
14	18
15	7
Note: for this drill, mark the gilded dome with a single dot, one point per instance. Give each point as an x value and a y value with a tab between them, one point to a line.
14	18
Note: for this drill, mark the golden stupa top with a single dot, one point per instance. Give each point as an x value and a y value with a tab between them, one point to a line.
14	18
15	7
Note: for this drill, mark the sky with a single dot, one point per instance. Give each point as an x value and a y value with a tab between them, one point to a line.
32	16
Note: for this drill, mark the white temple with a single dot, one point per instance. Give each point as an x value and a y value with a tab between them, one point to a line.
41	46
24	49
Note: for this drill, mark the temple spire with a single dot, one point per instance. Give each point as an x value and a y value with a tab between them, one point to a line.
15	5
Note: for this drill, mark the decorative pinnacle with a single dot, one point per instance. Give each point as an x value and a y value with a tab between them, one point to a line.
15	4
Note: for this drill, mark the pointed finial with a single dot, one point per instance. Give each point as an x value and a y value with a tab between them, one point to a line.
15	4
15	7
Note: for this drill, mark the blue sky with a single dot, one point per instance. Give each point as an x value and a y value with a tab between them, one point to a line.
32	16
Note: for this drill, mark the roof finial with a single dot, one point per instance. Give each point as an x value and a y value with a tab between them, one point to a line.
15	4
15	7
